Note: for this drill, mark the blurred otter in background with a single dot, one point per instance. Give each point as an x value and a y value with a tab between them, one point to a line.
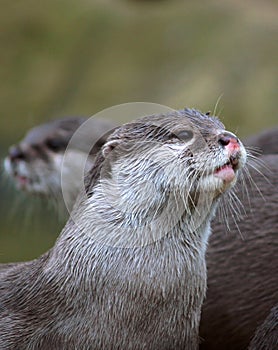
242	278
34	164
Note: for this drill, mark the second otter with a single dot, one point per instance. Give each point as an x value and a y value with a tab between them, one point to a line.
35	163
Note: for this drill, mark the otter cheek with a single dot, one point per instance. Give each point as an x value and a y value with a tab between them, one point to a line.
226	173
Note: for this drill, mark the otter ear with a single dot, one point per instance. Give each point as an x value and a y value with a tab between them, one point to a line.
109	146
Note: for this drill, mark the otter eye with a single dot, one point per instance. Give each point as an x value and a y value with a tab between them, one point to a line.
183	135
55	145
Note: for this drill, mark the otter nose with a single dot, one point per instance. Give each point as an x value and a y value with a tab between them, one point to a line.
227	138
16	153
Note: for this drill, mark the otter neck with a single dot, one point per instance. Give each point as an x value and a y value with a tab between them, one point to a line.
115	223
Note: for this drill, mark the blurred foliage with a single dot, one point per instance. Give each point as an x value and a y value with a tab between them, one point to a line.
76	58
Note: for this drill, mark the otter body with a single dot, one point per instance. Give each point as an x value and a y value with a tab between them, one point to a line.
242	266
121	303
128	270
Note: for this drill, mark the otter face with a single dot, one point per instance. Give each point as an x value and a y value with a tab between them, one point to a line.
183	150
34	167
162	170
35	163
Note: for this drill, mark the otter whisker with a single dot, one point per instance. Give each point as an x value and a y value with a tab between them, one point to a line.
217	104
236	204
234	213
251	180
222	212
256	164
253	151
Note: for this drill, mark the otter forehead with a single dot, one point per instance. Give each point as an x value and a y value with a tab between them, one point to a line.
158	126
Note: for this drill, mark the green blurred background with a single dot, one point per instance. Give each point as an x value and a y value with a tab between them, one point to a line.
78	57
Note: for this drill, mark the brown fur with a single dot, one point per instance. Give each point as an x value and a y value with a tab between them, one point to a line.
266	337
242	278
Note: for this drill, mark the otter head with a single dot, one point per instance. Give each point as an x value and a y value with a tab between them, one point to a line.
35	163
162	172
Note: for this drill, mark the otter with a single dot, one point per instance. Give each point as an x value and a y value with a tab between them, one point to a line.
242	265
128	270
34	164
265	143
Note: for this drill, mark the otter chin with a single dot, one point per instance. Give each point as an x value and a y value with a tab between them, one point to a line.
128	270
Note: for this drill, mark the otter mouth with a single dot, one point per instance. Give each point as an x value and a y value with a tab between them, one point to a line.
227	171
21	180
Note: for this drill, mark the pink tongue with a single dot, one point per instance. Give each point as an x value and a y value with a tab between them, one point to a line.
225	173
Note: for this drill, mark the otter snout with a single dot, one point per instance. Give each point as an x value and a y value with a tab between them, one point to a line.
233	146
229	140
236	154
